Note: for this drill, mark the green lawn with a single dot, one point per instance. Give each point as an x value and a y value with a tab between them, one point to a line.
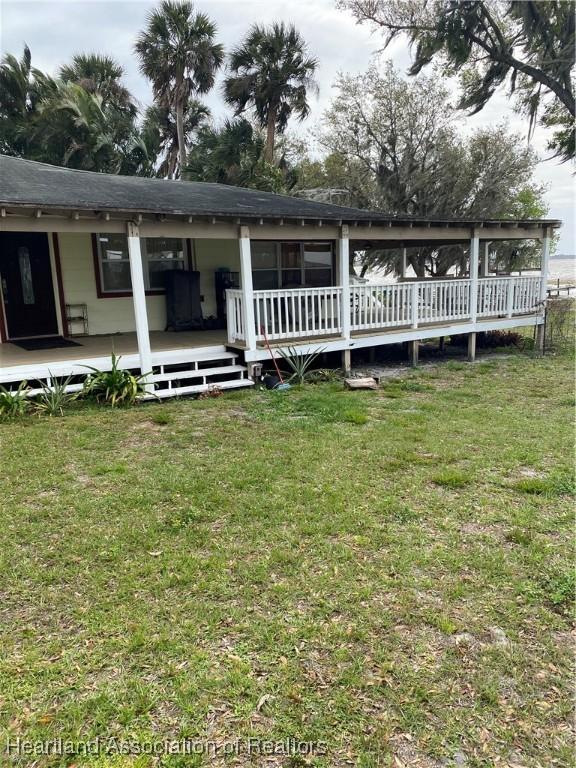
387	572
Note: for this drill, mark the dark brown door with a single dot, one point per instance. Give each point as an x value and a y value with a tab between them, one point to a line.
27	289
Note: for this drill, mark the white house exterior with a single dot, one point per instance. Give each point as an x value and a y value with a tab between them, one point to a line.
84	256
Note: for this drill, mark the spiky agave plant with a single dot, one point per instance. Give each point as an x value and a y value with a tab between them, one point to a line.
116	386
54	396
299	365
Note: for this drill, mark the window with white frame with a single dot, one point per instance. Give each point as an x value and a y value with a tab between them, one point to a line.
291	264
159	254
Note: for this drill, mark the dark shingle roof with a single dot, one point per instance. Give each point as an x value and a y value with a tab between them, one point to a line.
38	185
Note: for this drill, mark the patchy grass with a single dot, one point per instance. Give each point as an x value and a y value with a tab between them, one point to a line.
388	572
452	478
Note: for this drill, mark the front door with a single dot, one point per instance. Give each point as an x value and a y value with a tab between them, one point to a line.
27	288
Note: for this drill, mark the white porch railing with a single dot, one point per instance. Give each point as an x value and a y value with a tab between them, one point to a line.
508	296
380	306
526	294
235	315
441	300
297	313
311	312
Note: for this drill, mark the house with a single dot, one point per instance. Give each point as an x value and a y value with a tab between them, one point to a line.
188	280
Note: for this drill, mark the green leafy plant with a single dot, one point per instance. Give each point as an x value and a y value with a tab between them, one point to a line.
116	386
14	402
321	375
299	365
54	396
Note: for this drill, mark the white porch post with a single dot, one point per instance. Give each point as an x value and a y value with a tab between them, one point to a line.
247	289
474	249
343	249
139	298
344	278
545	263
486	259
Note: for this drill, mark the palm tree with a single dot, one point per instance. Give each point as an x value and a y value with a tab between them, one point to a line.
178	55
271	75
101	75
160	135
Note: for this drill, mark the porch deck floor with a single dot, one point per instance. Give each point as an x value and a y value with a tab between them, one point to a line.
102	346
387	332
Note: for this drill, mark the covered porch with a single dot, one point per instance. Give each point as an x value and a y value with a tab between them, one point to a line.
86	348
97	249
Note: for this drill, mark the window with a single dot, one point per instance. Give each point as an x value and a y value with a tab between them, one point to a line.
162	254
291	265
158	255
264	265
26	275
317	264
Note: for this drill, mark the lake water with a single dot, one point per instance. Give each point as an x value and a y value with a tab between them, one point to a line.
560	269
563	270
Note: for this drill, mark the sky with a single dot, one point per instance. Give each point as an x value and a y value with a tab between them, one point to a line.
57	29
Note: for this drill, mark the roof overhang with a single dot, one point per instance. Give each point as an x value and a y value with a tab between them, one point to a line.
368	227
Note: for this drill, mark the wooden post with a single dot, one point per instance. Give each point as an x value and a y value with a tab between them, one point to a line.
404	263
346	361
343	247
413	352
486	259
247	289
139	299
442	343
474	249
471	347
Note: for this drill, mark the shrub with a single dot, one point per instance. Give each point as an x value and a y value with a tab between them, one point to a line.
116	386
54	397
14	402
560	323
492	339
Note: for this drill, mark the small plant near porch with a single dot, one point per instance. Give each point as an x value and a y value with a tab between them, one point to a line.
14	403
116	386
299	365
55	397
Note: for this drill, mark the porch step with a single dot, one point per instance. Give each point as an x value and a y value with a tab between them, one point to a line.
198	388
182	373
200	355
175	372
199	373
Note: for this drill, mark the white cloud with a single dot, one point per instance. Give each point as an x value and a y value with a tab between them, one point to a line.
56	29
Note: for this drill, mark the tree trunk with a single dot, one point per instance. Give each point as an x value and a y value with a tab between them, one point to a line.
180	134
270	132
